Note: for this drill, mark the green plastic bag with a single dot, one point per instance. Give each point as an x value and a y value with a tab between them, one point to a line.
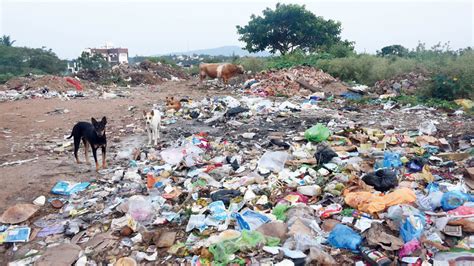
272	241
317	133
280	211
222	251
250	239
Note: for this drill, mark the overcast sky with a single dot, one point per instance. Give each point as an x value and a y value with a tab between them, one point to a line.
148	28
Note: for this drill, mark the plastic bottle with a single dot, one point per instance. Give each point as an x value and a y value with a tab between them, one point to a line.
374	257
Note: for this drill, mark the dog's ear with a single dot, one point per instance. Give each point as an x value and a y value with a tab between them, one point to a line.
144	113
152	113
94	122
104	120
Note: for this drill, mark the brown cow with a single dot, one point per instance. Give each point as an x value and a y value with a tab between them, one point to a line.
225	71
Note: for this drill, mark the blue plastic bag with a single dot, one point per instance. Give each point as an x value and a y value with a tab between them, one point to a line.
391	160
342	236
67	188
218	211
412	227
250	220
453	199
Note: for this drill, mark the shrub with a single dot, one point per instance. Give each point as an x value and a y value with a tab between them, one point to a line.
366	69
254	64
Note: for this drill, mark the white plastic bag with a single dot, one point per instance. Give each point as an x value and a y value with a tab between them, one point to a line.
273	161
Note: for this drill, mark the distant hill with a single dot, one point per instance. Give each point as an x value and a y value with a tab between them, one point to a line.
224	50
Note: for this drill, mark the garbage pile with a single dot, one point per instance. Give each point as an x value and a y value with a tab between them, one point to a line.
300	80
144	73
259	181
47	86
49	82
407	83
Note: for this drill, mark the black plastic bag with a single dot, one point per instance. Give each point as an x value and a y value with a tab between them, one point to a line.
226	195
235	111
382	180
324	154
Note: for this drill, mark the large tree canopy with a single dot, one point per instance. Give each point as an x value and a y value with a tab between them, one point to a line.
393	50
18	61
289	27
92	62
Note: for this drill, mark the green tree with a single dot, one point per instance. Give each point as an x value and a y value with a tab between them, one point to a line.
92	62
393	50
288	27
6	41
19	61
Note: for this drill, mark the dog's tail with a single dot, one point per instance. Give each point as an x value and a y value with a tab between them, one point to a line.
71	135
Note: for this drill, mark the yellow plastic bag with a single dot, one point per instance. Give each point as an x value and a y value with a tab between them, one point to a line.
373	203
465	103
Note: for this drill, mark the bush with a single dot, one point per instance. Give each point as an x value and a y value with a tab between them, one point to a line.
452	76
5	77
296	58
366	69
254	64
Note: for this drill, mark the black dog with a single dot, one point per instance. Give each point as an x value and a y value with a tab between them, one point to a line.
93	135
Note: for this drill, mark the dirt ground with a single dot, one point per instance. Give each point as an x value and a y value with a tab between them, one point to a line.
27	131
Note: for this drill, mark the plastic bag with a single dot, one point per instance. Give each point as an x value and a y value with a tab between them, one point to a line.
317	133
218	211
225	195
250	220
67	188
391	160
250	239
222	251
342	236
427	127
409	248
465	103
412	228
324	154
382	180
429	202
273	161
462	210
140	208
196	221
372	203
280	211
453	199
189	152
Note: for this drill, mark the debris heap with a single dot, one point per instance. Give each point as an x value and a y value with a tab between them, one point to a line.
302	80
257	181
146	72
49	82
407	83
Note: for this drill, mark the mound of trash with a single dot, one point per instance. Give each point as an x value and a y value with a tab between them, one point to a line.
249	180
48	82
144	73
407	83
302	80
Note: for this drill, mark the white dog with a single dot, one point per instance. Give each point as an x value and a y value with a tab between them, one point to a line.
153	123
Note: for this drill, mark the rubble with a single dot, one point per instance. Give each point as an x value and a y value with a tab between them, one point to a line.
294	81
145	73
252	180
44	86
407	83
